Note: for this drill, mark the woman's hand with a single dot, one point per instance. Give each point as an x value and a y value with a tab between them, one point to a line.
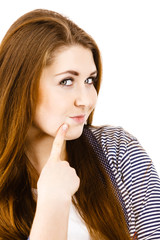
57	179
56	185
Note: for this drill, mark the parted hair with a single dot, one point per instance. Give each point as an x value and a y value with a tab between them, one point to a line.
29	46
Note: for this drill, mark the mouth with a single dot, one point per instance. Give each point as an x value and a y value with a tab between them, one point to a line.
79	118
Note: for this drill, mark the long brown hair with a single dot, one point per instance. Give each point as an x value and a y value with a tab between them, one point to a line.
27	47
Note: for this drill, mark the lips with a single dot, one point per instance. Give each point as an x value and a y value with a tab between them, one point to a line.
79	118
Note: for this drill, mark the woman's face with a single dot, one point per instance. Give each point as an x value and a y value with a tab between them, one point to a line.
66	92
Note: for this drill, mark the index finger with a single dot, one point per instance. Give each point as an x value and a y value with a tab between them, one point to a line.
58	143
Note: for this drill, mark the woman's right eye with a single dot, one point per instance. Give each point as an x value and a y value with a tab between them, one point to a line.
66	82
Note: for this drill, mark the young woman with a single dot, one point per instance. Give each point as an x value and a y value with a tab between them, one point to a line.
60	177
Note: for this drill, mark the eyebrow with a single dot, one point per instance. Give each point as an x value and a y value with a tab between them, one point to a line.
74	73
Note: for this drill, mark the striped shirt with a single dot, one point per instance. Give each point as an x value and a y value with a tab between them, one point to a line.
133	173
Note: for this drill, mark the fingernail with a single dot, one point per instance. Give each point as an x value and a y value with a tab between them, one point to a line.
65	126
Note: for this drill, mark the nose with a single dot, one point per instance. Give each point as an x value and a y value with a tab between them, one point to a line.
83	98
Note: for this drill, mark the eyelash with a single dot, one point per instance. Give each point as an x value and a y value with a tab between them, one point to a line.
94	80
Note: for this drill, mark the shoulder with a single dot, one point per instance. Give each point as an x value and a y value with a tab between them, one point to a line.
119	146
135	177
123	153
116	145
112	138
111	132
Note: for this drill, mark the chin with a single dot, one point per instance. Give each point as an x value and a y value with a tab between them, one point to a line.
74	133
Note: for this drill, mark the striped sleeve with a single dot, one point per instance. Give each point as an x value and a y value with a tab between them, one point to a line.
136	179
143	186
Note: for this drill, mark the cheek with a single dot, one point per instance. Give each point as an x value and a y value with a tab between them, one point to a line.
49	113
51	102
46	105
94	98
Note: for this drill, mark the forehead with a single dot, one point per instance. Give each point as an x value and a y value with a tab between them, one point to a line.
74	57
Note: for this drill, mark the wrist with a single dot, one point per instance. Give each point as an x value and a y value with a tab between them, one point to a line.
53	200
51	219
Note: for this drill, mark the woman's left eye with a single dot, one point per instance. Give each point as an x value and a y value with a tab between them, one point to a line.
91	80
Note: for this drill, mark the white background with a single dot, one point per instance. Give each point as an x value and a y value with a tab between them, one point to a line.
128	35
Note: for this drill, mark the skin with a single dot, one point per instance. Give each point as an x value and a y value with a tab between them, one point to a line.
58	181
56	184
60	99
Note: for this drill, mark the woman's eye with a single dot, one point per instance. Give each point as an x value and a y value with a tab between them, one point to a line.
69	82
91	80
66	82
